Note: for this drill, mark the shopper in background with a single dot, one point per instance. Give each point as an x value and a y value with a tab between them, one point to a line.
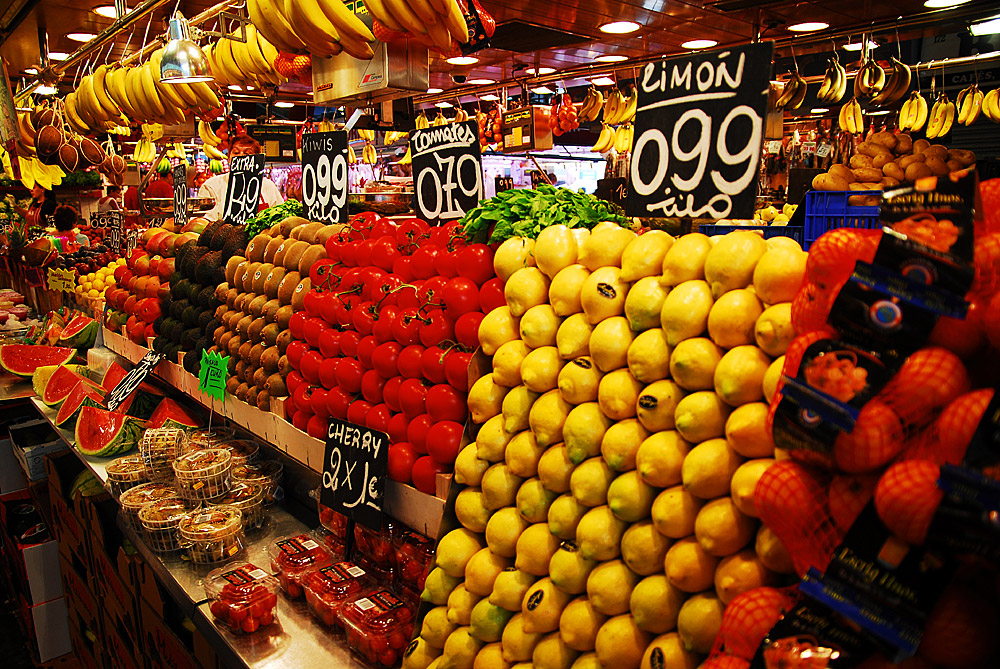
216	187
66	218
158	187
43	205
112	199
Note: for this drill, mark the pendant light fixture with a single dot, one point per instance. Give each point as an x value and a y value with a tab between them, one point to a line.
183	61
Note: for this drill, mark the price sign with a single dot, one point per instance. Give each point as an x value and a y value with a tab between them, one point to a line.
180	194
61	280
106	219
133	380
354	470
823	150
324	176
774	147
244	188
447	170
808	147
503	183
698	133
212	374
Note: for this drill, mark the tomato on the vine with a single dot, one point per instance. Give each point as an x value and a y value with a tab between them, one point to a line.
329	343
444	264
349	341
372	279
432	364
461	295
491	295
437	328
385	359
312	302
410	361
366	347
403	268
456	370
431	293
363	318
423	261
406	327
390	392
412	397
382	327
445	403
476	262
384	253
410	231
363	255
467	329
371	386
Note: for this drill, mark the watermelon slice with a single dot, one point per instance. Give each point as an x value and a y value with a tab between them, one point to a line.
24	359
171	414
113	376
141	403
43	373
81	332
82	395
62	381
105	433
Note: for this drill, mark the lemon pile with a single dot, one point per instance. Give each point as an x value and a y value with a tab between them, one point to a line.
95	284
608	511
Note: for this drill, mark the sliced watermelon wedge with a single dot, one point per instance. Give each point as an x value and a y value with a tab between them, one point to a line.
24	359
62	381
45	372
104	433
172	414
82	395
80	332
112	377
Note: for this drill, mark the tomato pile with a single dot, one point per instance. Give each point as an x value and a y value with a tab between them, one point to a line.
292	558
562	116
241	602
386	337
379	626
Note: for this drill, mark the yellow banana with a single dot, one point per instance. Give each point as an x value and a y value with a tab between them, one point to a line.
990	105
606	139
352	157
346	21
454	19
422	122
378	9
312	25
406	159
272	23
72	117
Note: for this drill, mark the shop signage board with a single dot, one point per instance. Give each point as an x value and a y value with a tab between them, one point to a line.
699	128
355	467
133	380
180	193
113	221
447	170
61	280
324	176
246	175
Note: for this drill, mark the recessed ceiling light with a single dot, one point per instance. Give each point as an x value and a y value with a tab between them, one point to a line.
482	81
699	44
463	60
284	104
879	113
611	58
58	55
941	4
30	70
107	11
989	27
490	97
46	90
856	46
234	87
434	90
602	81
620	27
542	90
81	37
808	27
443	104
542	70
819	110
249	88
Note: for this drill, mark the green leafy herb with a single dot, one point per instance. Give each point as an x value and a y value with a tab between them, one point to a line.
272	215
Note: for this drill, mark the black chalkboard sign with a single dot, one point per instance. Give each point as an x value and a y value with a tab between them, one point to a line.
698	134
447	170
324	176
180	194
244	188
133	380
503	183
113	222
355	466
613	190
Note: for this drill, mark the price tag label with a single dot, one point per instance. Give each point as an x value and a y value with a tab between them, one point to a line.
698	133
61	280
354	471
503	183
212	374
808	147
324	176
246	175
180	193
823	150
106	219
774	147
447	170
133	380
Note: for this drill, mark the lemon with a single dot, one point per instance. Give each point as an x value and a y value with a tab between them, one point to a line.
644	303
603	294
566	289
470	509
456	549
492	440
439	585
709	467
772	552
685	311
739	573
721	529
769	386
573	337
509	589
648	356
499	486
541	607
555	469
699	621
700	416
533	501
497	327
488	620
685	259
490	656
460	603
564	515
436	627
782	242
93	292
555	249
535	548
618	393
731	262
569	570
507	363
540	369
630	498
460	649
739	375
524	289
643	548
643	257
657	404
733	317
579	623
578	381
585	661
747	433
468	467
604	247
621	443
584	431
688	567
516	408
693	362
674	511
655	604
485	399
420	654
98	284
516	643
745	481
502	531
512	255
668	652
522	454
620	643
551	653
547	416
609	586
609	343
590	480
539	325
773	330
109	280
779	274
660	457
79	289
599	534
482	570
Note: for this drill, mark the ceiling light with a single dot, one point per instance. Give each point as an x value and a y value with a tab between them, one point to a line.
611	58
463	60
819	110
46	90
235	87
107	11
284	104
58	55
542	90
603	81
879	113
620	27
541	70
443	104
941	4
808	27
31	70
990	27
856	46
183	61
434	90
699	44
490	97
81	37
480	82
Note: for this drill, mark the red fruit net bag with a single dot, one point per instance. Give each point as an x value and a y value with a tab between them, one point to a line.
928	380
748	618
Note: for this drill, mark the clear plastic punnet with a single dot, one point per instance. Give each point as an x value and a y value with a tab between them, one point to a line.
159	447
327	588
133	499
244	598
126	472
159	522
203	475
249	499
292	557
379	626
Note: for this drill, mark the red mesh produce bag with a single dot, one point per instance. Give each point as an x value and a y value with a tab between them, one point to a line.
989	194
832	256
965	337
876	439
811	307
906	498
991	321
929	379
987	262
946	439
848	496
749	617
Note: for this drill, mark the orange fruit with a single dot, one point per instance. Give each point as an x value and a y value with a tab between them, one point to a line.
947	438
963	337
848	497
876	439
832	257
929	379
906	498
749	617
811	307
986	257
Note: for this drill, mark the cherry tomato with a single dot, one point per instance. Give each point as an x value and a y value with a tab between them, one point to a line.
461	295
317	427
390	392
385	359
410	361
301	420
378	417
366	347
357	412
412	396
329	343
295	351
491	295
337	402
293	381
312	303
349	374
476	262
438	328
396	428
444	403
467	329
317	403
424	474
303	397
416	432
401	459
364	252
384	253
456	370
220	609
310	364
432	364
371	386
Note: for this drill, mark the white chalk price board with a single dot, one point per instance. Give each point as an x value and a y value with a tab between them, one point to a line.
133	380
246	176
324	176
180	193
355	466
447	170
113	222
698	134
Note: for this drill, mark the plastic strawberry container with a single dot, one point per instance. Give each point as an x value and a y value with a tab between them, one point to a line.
204	474
266	473
292	557
328	588
133	499
376	545
378	626
414	555
334	544
126	472
159	447
212	535
249	499
159	522
244	598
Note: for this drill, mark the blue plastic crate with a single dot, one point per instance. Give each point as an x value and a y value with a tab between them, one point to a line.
828	210
793	231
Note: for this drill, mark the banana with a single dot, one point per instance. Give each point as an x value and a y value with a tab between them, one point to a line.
850	117
628	116
422	122
25	130
115	82
439	120
347	22
152	97
614	108
241	55
208	137
378	9
937	117
990	105
169	93
87	105
312	25
869	80
101	91
829	81
406	159
71	115
906	115
253	49
587	106
454	19
424	10
133	88
278	30
356	48
605	140
206	96
352	158
623	138
969	104
920	113
794	93
949	119
896	86
369	155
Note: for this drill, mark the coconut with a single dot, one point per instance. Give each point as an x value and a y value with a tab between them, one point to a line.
92	151
69	157
48	140
118	164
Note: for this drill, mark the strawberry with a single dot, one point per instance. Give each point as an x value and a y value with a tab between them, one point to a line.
960	631
946	439
749	617
848	497
906	498
928	380
811	307
876	439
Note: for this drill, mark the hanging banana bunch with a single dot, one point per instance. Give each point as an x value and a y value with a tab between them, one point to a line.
834	85
367	135
394	136
605	141
369	155
422	122
249	63
991	105
969	103
941	117
851	118
591	106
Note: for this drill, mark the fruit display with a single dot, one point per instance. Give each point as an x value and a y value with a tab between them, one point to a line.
159	448
243	63
104	433
212	535
248	497
203	475
126	472
378	627
24	359
618	111
563	116
244	598
134	499
266	474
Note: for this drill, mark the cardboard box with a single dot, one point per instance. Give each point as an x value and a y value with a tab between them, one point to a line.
118	600
86	643
68	525
81	599
121	650
162	638
32	441
37	566
48	625
12	478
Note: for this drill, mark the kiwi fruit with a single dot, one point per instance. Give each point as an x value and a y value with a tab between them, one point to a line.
222	309
243	326
279	255
311	256
263	400
323	236
232	383
241	370
270	309
255	352
273	280
244	351
276	386
294	254
241	391
237	280
260	276
300	294
269	335
284	367
218	332
284	315
231	319
273	244
269	359
234	345
255	329
256	306
220	291
287	287
307	233
241	302
231	365
231	266
256	247
231	296
283	340
291	223
223	340
249	275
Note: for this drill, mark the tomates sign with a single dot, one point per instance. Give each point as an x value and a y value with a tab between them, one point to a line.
698	132
447	170
243	191
324	176
354	470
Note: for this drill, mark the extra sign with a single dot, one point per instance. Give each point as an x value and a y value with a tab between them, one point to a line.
447	170
354	470
698	134
324	176
133	380
246	176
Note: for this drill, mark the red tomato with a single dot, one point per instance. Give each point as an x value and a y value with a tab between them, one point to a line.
293	381
410	231
432	364
310	364
491	295
410	361
366	347
431	293
403	268
476	262
301	420
337	402
396	428
467	329
406	327
348	253
401	459
312	303
317	427
371	386
363	318
416	432
357	412
317	403
390	392
423	261
444	403
424	474
349	374
328	373
385	359
364	253
461	295
444	440
220	609
412	395
384	253
349	341
383	227
456	370
438	328
296	323
378	418
444	264
295	351
312	329
382	327
372	279
329	343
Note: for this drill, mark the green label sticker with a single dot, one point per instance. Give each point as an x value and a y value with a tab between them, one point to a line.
212	375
